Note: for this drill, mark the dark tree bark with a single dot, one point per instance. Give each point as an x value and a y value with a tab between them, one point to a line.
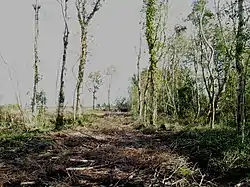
83	18
240	115
36	70
61	97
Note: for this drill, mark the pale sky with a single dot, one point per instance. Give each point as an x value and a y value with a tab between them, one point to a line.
115	30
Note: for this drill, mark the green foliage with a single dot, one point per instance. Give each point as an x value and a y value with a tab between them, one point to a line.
98	106
41	102
94	84
185	100
105	107
185	171
94	81
185	81
16	137
123	104
217	151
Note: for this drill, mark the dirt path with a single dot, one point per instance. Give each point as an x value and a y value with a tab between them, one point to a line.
107	153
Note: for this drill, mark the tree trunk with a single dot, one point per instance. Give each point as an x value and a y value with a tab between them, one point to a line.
144	99
208	84
36	72
241	105
151	92
213	111
173	83
109	89
83	18
240	117
93	104
145	109
81	67
198	107
140	105
140	102
150	36
61	98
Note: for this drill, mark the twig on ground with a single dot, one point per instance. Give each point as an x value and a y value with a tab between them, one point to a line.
115	183
27	183
86	168
88	135
81	160
156	174
177	169
178	181
202	178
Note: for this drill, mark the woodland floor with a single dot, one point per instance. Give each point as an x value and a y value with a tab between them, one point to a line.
109	152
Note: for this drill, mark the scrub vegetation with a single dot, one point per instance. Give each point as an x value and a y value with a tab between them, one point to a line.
184	122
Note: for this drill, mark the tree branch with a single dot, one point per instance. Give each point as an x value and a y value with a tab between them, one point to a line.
95	9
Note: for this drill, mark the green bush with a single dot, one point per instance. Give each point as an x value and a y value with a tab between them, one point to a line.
122	104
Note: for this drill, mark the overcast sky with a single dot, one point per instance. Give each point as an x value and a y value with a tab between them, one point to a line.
115	30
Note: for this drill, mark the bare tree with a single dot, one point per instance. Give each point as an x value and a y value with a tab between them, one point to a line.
61	97
196	69
94	84
140	101
109	74
84	19
36	71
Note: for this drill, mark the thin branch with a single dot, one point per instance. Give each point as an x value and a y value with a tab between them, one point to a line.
17	95
95	9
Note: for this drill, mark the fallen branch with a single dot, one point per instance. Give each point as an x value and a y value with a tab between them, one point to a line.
86	168
81	160
79	169
178	181
27	183
202	178
176	170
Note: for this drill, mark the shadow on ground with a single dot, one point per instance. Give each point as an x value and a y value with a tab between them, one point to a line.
218	153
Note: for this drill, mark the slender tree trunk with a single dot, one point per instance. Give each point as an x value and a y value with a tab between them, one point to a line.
140	101
61	98
173	84
81	67
109	74
213	109
163	78
36	71
198	107
151	92
240	117
197	97
83	18
144	99
145	109
241	105
140	104
244	99
208	85
93	105
94	97
109	89
74	105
